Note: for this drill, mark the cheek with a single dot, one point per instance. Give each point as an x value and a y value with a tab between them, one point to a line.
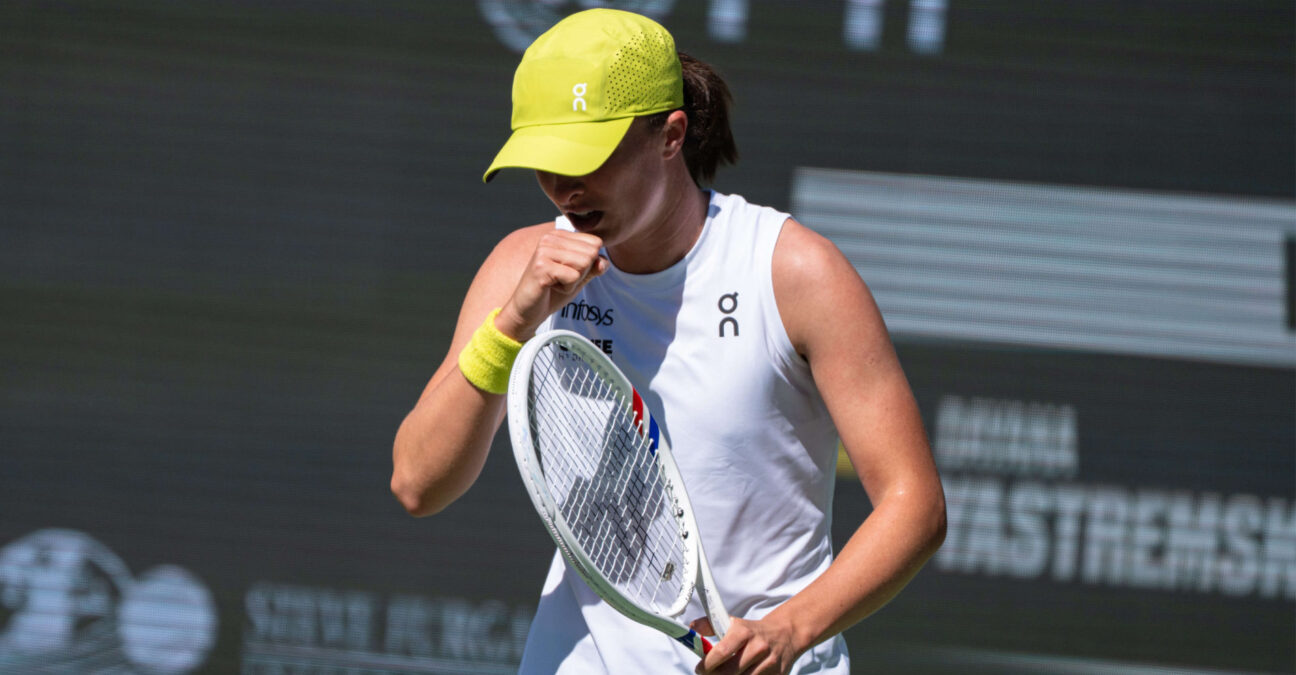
642	182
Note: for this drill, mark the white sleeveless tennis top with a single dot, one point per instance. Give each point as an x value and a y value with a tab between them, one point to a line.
703	342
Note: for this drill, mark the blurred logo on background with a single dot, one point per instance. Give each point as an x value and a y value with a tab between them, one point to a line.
306	629
69	604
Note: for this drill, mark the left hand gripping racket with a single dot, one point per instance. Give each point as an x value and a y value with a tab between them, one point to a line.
606	485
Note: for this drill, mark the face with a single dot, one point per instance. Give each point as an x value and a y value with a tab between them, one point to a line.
623	197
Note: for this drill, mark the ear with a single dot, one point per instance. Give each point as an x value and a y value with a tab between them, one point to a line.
673	134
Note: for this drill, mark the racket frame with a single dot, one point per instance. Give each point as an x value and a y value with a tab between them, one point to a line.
697	570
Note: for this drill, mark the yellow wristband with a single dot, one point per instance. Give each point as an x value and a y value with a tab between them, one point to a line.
488	357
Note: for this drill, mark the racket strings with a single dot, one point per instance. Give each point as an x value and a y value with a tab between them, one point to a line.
603	475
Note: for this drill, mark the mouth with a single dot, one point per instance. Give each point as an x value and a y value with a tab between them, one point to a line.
584	221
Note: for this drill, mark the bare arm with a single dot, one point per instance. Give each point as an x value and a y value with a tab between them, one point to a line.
442	444
868	396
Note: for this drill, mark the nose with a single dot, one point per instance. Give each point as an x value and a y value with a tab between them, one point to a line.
561	189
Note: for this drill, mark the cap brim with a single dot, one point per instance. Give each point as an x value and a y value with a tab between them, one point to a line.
567	149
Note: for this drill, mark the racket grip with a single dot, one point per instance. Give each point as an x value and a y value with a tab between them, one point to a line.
697	643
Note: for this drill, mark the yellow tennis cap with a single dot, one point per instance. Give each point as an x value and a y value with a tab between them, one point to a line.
581	84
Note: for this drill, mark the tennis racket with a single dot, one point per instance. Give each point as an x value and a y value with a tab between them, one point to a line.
606	485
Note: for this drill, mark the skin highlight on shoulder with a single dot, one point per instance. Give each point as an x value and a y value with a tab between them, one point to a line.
808	270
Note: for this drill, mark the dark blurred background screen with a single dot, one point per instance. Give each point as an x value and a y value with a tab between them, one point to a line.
234	237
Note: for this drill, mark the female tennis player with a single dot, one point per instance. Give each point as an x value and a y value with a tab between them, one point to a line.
753	338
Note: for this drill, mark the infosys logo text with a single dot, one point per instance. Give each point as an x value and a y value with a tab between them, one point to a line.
583	311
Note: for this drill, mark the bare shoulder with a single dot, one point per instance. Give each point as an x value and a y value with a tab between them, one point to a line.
813	279
530	233
503	266
520	243
803	256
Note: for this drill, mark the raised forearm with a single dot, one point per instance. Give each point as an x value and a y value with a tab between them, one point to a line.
442	444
